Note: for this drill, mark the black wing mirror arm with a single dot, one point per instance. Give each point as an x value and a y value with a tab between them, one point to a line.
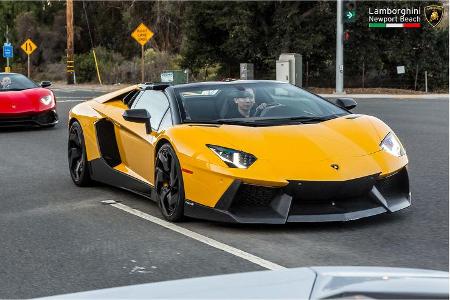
148	127
347	103
139	116
45	84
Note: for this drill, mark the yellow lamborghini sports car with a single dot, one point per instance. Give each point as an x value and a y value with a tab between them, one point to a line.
240	151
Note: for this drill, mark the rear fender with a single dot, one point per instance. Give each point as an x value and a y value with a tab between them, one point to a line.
87	117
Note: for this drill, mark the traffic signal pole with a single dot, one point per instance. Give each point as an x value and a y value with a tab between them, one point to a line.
339	49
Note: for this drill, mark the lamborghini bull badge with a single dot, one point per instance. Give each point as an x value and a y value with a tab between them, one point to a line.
434	14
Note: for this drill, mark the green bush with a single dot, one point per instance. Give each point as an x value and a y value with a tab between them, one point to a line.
52	72
84	67
115	69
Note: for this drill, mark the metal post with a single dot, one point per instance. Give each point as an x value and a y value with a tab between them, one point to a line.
96	66
29	72
339	49
415	80
7	41
307	73
363	74
142	64
426	82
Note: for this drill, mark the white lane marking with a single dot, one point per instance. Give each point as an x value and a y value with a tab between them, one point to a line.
72	97
83	90
71	100
201	238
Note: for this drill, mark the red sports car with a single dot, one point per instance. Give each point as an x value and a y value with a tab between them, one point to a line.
23	102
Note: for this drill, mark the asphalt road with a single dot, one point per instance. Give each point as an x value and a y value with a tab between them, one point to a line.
57	238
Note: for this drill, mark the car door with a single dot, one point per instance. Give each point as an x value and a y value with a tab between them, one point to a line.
137	148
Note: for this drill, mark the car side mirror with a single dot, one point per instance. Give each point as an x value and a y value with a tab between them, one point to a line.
45	84
138	116
347	103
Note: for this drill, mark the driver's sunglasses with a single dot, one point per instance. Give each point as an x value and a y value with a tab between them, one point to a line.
245	99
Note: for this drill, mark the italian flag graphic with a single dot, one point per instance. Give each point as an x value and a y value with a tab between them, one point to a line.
394	25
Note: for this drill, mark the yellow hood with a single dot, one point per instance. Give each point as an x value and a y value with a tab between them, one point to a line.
292	152
337	138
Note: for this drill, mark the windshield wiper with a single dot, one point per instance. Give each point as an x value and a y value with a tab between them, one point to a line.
9	90
218	122
235	121
302	119
225	122
264	121
199	122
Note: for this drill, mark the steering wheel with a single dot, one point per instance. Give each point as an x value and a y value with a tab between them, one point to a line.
263	107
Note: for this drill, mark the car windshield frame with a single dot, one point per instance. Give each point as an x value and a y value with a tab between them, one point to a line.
18	82
213	89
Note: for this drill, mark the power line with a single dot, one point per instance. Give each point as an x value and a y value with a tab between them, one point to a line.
92	44
89	27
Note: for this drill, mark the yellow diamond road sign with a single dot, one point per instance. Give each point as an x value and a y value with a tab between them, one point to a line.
142	34
28	46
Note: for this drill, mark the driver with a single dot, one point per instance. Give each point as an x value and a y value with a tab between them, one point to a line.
244	105
5	82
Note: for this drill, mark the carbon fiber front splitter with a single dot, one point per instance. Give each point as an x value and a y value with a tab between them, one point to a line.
307	201
48	118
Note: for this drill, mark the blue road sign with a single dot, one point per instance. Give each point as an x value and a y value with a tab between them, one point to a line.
7	50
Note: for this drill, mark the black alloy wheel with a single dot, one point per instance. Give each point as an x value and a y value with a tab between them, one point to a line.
169	184
77	156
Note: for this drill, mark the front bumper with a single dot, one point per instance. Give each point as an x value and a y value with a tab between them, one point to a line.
47	118
308	201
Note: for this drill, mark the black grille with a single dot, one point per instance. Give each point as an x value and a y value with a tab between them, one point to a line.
394	185
332	206
251	195
13	119
331	197
46	118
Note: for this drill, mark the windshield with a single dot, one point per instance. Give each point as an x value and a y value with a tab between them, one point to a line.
15	82
268	102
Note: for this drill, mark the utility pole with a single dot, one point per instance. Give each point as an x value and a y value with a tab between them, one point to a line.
339	49
70	52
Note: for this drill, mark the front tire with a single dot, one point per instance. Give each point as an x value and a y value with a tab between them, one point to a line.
78	165
169	184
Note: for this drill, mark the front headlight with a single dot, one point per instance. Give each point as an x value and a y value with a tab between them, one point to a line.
233	158
392	145
46	100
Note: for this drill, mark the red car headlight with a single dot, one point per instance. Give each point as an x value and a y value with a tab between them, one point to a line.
47	100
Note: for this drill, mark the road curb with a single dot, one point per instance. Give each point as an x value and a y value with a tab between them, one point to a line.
387	96
111	88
